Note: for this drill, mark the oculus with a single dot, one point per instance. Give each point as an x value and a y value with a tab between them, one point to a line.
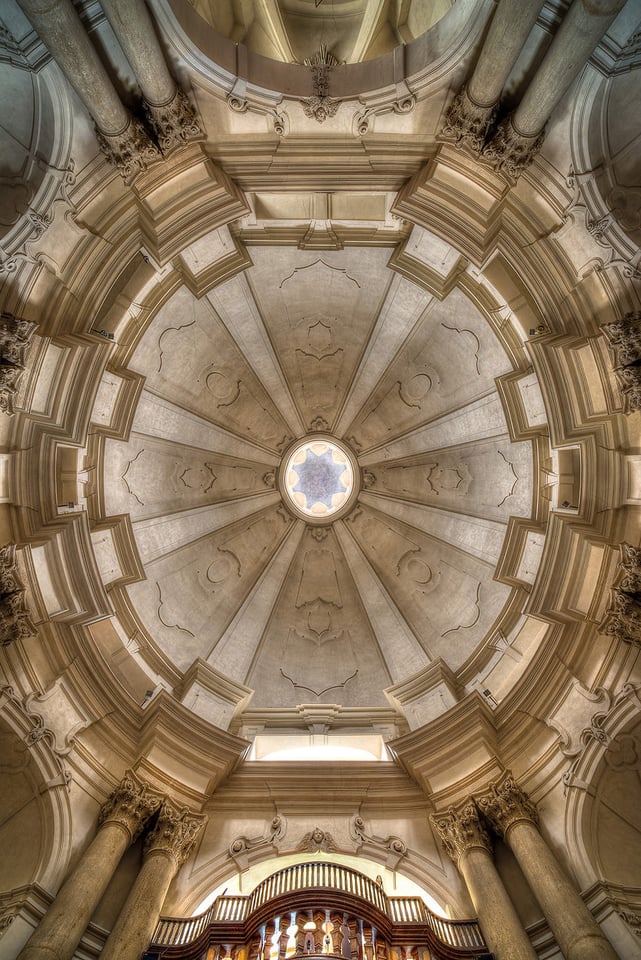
318	478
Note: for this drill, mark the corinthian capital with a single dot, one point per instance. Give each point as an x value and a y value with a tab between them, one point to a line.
504	804
175	832
131	805
460	830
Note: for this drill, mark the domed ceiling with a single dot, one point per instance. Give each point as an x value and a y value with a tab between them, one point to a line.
335	347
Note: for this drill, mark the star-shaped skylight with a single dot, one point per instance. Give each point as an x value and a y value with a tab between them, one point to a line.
318	478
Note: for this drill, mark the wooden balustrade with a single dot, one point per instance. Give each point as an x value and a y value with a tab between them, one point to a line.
381	928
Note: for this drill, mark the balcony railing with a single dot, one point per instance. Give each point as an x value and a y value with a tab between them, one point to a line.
462	935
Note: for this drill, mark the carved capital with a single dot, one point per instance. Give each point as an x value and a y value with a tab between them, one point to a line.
15	623
131	151
131	805
174	833
174	123
460	830
623	615
504	804
624	340
15	340
509	151
467	123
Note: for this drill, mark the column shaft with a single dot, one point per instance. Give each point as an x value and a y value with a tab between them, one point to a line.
508	32
583	26
61	30
502	929
135	31
134	927
62	927
576	931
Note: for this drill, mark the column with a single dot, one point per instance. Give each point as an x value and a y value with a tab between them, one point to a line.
473	110
468	844
514	817
121	137
521	135
122	818
166	849
169	111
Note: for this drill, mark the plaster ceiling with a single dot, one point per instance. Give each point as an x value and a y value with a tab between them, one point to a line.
336	342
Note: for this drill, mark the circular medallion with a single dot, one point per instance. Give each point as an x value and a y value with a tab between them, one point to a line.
319	479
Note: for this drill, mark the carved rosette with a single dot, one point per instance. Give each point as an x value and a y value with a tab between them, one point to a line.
15	339
623	615
624	340
505	804
131	151
174	123
175	832
461	830
467	123
509	151
15	623
131	805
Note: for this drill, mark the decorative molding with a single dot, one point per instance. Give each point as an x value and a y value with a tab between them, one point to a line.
15	623
392	848
131	151
174	123
624	340
15	340
623	614
320	106
509	151
467	123
404	102
131	805
174	833
242	847
460	830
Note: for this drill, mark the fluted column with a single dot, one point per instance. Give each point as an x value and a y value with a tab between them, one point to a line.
166	849
122	818
514	817
473	110
468	844
121	137
169	111
521	135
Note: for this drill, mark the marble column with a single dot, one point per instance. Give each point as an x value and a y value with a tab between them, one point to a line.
513	816
166	849
169	111
122	818
473	110
122	138
468	844
520	136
